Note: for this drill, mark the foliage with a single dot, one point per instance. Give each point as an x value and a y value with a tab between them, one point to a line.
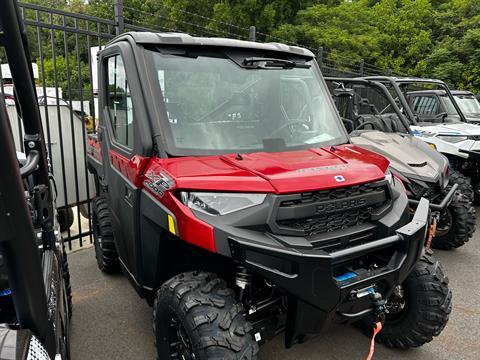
431	38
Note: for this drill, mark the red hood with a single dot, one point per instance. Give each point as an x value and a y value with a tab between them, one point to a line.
283	172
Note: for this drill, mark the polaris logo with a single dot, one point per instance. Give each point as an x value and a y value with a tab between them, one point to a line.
339	178
340	205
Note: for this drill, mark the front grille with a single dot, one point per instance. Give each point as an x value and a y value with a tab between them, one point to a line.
326	211
329	222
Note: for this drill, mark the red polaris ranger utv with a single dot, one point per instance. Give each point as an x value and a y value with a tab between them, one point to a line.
228	193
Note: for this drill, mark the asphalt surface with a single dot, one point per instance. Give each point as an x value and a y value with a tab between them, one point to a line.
111	322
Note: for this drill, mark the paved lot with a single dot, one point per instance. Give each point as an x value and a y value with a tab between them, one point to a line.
111	322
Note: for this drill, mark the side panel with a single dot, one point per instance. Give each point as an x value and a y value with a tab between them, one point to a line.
125	148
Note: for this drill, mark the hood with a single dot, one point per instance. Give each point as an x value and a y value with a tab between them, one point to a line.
474	118
458	128
282	172
410	157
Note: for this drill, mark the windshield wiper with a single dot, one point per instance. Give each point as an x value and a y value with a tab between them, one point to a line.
262	63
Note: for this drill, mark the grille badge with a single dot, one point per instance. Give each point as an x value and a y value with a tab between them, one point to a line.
339	178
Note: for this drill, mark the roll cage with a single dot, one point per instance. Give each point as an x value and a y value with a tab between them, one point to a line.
398	84
377	85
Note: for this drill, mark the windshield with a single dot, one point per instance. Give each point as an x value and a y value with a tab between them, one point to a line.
468	104
214	105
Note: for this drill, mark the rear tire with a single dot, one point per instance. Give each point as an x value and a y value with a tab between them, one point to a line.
199	315
428	303
464	185
460	221
103	239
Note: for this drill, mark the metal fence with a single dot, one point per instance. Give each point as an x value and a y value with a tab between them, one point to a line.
64	46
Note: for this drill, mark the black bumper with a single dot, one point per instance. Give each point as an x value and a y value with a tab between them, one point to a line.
443	204
310	277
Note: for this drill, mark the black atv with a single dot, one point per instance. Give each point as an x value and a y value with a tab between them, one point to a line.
375	122
35	293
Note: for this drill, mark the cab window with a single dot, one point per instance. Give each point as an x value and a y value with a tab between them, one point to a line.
119	102
424	105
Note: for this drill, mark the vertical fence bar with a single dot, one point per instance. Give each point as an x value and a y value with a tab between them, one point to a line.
119	19
320	56
42	70
59	123
252	35
92	99
72	125
84	133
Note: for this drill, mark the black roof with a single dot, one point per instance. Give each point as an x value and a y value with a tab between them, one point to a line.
169	38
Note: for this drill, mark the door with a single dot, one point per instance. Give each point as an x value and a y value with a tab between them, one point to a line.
117	129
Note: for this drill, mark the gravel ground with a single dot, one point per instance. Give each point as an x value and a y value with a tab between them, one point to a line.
111	322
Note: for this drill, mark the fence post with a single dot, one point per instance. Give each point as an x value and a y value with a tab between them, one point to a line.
253	33
119	19
361	66
320	56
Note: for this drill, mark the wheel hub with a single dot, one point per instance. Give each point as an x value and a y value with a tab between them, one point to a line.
445	223
396	303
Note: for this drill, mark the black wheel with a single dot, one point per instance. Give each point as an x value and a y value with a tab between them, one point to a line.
456	225
66	279
464	185
103	240
65	218
418	309
197	317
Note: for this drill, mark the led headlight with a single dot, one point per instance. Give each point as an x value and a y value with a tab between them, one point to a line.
452	138
220	203
389	176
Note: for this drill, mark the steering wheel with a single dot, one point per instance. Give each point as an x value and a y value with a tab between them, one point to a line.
442	115
290	124
362	125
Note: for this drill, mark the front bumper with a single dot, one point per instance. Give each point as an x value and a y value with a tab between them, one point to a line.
443	204
308	277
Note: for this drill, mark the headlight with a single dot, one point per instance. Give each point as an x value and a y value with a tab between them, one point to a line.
220	203
452	138
389	176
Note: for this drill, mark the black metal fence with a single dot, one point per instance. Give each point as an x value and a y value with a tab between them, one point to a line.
64	46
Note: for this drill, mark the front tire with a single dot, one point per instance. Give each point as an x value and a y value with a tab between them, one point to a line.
427	306
456	225
197	317
103	240
464	185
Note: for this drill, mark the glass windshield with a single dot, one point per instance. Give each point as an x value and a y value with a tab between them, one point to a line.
214	105
468	104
